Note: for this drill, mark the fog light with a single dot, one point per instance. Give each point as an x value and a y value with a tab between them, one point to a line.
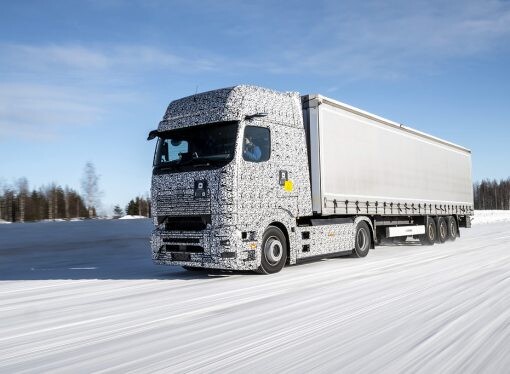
251	256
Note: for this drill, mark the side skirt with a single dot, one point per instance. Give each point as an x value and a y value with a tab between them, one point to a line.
324	256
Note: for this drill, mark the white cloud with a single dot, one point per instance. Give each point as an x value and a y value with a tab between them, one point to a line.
374	39
53	85
50	87
100	59
40	112
369	39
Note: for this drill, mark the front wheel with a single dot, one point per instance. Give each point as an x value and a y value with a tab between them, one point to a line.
274	251
361	240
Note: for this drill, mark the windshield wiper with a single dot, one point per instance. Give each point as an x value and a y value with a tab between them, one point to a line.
167	165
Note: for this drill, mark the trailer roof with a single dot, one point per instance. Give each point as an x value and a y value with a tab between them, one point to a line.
309	99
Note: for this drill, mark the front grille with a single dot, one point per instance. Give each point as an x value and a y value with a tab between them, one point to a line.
182	202
184	248
186	223
182	240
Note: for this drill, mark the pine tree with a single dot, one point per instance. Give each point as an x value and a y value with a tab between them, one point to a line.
117	211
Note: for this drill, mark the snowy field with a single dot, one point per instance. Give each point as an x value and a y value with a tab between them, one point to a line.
85	297
491	216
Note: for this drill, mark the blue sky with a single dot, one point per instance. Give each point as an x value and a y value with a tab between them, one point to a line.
86	80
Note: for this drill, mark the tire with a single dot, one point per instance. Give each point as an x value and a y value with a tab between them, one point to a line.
273	251
361	240
442	230
429	238
453	230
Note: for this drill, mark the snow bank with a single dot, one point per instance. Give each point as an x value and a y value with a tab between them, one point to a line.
490	216
132	217
2	221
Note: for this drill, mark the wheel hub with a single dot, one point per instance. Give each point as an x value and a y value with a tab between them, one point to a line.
273	250
362	239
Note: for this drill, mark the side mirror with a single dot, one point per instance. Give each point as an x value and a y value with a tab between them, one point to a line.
152	134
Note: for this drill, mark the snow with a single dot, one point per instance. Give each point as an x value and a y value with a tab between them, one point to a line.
3	222
491	216
128	216
84	297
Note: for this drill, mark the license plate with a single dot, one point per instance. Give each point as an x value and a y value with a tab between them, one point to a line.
181	257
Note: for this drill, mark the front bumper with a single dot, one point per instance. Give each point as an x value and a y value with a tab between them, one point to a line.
211	248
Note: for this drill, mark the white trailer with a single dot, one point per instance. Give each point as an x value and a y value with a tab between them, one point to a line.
246	178
361	162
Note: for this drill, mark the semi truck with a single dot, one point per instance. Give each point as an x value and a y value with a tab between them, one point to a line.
248	178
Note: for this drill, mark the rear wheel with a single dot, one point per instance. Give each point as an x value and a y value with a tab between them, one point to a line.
361	240
452	228
274	251
429	237
442	230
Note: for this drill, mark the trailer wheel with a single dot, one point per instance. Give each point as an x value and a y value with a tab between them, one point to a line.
274	251
442	230
429	238
452	228
361	240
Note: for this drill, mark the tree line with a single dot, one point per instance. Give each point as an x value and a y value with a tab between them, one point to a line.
140	206
492	194
19	204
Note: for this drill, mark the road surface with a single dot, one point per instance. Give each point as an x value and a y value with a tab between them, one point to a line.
85	297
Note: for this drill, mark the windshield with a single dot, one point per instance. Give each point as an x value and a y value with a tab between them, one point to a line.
196	147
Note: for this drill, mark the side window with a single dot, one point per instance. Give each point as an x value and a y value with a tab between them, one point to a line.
256	144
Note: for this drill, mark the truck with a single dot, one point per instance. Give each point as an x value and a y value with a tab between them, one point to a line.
248	178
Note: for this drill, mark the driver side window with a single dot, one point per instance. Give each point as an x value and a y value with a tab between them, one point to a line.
256	144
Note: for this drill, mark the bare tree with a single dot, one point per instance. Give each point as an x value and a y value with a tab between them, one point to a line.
90	186
22	184
491	194
66	202
50	196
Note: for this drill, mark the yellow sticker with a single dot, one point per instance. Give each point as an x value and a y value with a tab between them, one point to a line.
288	186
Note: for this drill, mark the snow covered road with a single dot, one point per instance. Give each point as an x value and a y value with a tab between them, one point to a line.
85	297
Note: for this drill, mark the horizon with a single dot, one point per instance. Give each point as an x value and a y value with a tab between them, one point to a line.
87	82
